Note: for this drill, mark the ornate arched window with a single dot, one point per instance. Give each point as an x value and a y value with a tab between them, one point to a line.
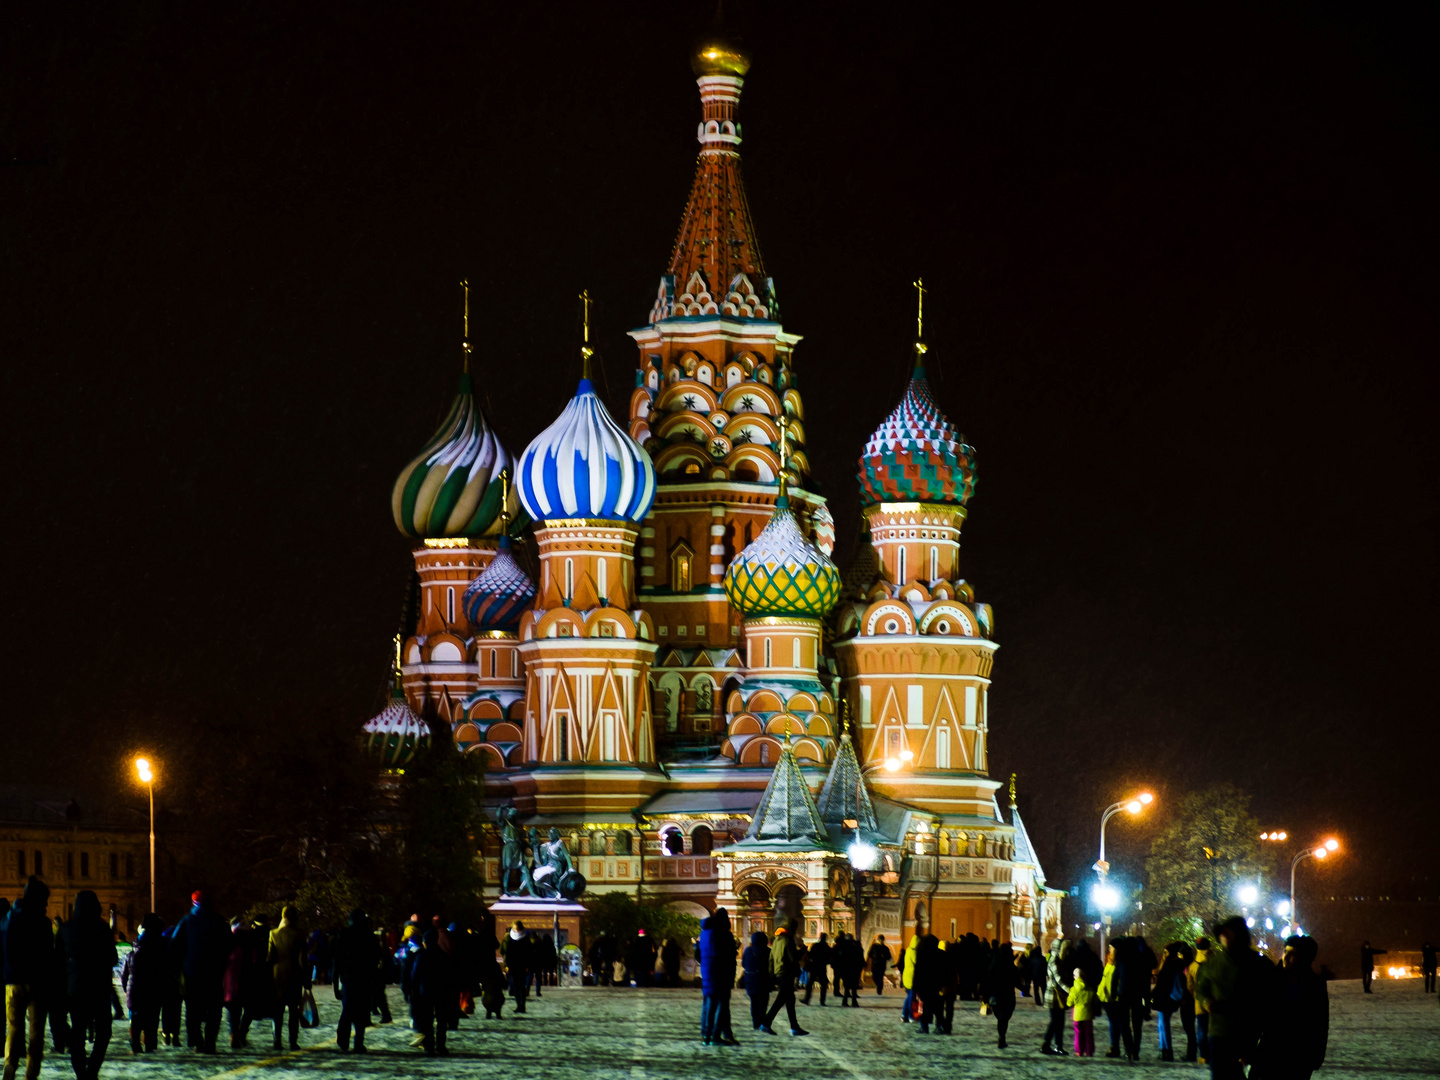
702	841
681	559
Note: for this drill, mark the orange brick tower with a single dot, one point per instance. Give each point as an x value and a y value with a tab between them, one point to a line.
714	380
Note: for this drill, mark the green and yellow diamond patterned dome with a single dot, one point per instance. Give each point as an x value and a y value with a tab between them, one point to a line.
782	573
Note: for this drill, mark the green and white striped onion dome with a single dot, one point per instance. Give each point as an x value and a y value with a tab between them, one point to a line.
782	573
452	488
396	736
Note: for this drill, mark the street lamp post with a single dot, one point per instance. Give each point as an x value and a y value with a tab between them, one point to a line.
142	767
1131	806
1319	851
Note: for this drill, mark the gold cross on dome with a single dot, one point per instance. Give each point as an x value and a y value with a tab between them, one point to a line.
504	501
586	352
784	439
465	318
919	285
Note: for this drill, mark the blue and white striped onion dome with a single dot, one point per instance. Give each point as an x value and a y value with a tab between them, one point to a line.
584	465
782	573
452	488
396	736
497	598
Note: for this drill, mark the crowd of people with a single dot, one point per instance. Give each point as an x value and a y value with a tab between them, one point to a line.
1232	1004
1235	1007
61	975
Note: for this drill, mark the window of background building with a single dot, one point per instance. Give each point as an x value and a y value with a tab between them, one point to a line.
39	861
69	864
129	866
114	866
20	864
84	864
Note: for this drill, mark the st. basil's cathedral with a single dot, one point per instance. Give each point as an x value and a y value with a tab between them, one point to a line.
688	689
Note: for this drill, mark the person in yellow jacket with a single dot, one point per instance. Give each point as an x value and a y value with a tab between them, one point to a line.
1114	1011
1202	1018
1083	1000
907	977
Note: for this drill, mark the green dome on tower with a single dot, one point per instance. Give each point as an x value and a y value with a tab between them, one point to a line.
782	573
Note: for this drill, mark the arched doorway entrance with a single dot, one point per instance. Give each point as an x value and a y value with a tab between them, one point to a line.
756	912
790	905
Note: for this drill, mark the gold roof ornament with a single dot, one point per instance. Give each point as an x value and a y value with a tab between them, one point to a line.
586	352
919	286
717	56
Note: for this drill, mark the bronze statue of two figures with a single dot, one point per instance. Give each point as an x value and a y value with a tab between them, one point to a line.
539	869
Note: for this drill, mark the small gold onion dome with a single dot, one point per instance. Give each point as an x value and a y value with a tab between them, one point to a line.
716	56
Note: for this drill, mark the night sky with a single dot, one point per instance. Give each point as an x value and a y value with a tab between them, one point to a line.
1183	303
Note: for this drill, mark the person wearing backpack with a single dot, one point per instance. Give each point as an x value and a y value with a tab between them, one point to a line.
1170	994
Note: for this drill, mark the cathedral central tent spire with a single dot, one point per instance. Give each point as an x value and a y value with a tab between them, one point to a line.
717	235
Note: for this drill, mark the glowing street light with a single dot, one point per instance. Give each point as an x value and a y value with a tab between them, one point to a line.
1248	894
1132	805
147	777
1320	851
863	855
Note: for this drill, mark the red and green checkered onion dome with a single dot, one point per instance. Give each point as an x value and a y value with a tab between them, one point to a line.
452	488
397	736
782	573
497	598
917	455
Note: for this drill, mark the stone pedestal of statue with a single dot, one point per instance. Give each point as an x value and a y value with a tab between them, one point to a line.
558	918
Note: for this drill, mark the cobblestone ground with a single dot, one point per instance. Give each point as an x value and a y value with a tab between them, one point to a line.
639	1034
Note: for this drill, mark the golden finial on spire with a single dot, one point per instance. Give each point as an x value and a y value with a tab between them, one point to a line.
504	502
784	422
398	672
1012	789
586	352
919	285
844	718
465	318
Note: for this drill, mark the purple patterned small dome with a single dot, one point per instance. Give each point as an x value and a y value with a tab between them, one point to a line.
498	597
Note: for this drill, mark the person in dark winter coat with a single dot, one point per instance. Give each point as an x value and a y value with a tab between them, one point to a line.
817	962
755	963
29	948
879	959
357	972
241	973
784	970
1059	977
1292	1045
170	1005
1367	965
1170	994
602	959
289	973
202	945
434	993
143	977
670	958
1235	987
516	949
86	947
1428	958
1038	968
928	978
717	949
998	988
